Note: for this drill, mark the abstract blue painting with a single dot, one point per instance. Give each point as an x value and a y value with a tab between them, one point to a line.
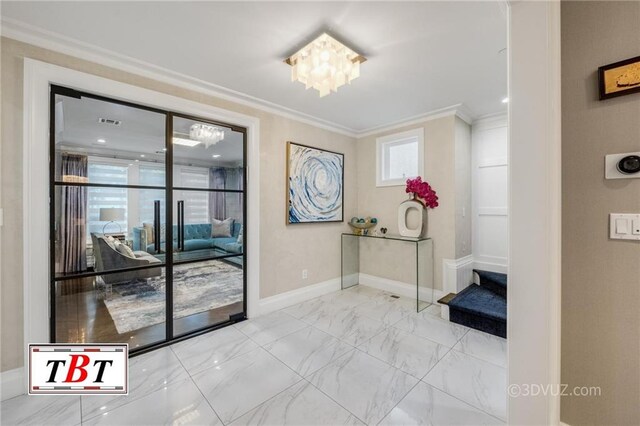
315	181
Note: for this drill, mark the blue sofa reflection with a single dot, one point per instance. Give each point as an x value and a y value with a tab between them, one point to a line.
196	237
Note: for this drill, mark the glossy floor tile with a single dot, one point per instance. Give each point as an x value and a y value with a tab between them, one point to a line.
267	328
434	309
349	326
366	386
307	350
351	357
147	373
211	349
410	353
179	404
484	346
474	381
354	296
306	308
426	405
432	328
301	404
244	382
41	410
389	310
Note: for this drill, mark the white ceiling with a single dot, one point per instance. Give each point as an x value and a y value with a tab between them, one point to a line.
422	56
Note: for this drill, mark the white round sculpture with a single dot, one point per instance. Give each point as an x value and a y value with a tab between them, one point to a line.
403	212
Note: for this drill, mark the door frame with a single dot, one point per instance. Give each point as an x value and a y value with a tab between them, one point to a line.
535	203
169	117
38	76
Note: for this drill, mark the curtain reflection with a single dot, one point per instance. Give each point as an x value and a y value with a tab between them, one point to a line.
72	242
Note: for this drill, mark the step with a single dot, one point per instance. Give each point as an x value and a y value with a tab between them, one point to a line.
493	281
481	309
446	299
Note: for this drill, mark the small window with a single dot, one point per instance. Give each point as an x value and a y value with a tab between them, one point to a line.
399	157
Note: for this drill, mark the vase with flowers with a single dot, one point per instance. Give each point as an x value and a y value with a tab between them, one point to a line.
422	197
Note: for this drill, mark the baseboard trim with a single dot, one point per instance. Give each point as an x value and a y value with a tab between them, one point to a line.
398	287
457	274
490	266
12	383
289	298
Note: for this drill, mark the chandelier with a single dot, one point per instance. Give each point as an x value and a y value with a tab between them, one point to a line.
325	64
206	133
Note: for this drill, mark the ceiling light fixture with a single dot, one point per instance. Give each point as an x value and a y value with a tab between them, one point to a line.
325	64
505	100
185	142
101	141
216	155
206	133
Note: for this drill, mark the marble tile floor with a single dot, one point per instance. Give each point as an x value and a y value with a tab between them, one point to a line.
353	357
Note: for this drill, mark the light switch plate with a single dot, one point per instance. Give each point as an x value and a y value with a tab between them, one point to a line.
624	226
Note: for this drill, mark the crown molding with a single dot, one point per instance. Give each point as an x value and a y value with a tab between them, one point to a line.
49	40
498	119
52	41
459	110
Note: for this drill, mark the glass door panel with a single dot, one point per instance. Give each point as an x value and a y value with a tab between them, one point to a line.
206	293
108	214
214	147
198	235
208	230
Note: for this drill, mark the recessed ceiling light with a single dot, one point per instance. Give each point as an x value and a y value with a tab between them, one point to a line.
142	155
505	100
216	155
185	142
164	149
137	160
325	64
101	140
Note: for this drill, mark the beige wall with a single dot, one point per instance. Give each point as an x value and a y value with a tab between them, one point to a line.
285	250
600	277
440	172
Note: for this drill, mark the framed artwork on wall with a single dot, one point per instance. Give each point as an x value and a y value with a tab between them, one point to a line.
619	78
315	185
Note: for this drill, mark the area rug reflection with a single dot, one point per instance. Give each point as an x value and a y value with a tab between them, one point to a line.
315	192
198	287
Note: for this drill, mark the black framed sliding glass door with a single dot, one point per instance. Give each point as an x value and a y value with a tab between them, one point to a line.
125	180
208	219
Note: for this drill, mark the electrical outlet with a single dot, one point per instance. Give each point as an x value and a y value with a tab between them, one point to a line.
304	274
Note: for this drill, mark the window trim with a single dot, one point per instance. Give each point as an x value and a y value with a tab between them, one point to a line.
384	141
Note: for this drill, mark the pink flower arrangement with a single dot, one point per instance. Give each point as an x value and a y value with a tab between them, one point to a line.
422	190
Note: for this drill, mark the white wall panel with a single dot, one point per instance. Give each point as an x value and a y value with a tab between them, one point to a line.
489	193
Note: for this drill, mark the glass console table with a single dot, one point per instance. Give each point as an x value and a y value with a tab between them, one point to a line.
397	264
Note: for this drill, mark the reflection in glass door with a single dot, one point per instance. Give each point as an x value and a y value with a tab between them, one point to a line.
120	173
208	197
